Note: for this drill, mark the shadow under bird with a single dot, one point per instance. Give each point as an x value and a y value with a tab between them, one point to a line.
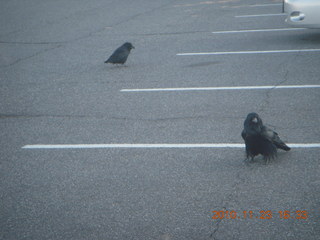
260	139
120	55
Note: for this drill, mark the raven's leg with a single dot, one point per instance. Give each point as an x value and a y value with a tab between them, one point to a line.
267	160
249	159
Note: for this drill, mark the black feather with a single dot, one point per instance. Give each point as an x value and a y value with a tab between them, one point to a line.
120	55
259	139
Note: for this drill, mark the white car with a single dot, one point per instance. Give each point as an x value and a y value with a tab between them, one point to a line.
302	13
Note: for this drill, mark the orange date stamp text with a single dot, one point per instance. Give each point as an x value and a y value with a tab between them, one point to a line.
263	214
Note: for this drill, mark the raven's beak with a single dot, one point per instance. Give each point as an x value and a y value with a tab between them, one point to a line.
255	120
133	47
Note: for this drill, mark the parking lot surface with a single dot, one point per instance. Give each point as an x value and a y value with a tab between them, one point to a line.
152	149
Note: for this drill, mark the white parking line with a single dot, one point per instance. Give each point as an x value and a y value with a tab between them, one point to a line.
261	30
265	5
248	52
254	5
218	88
261	15
157	145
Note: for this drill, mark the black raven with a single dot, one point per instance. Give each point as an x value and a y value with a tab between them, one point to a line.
120	55
259	139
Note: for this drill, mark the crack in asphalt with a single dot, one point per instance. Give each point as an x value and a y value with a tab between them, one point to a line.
122	118
213	234
31	43
231	197
92	32
266	102
76	39
120	22
2	116
31	56
161	119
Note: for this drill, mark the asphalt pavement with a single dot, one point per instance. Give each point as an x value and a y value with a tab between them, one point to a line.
56	90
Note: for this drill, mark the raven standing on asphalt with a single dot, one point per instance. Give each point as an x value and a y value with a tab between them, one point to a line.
120	55
259	139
